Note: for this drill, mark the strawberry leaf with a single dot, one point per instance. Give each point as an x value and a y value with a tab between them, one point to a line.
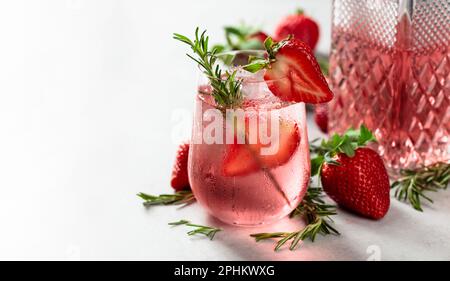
268	44
324	65
347	147
333	143
346	143
256	65
316	164
237	31
353	134
365	136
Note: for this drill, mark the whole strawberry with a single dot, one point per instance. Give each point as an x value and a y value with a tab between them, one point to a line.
359	183
321	117
301	27
353	175
180	180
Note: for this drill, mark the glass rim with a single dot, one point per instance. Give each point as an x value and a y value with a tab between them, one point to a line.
233	52
203	97
236	52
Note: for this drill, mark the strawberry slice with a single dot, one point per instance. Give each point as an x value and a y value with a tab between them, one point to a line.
294	75
242	159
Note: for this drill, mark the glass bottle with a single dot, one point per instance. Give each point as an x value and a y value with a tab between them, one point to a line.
390	69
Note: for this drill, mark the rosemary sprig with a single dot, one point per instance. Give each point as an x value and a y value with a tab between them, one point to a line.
316	215
413	184
208	231
178	198
226	87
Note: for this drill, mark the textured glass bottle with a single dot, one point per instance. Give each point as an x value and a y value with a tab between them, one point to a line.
390	68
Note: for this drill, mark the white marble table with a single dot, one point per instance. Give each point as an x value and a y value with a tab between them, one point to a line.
91	94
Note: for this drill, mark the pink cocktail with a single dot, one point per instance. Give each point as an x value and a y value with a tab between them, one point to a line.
238	175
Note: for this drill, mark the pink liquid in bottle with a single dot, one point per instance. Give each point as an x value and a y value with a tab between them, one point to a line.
390	69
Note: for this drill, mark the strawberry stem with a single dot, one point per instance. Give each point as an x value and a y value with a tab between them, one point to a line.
300	11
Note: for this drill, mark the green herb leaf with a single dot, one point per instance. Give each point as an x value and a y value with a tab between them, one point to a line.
219	48
268	44
180	222
413	184
346	143
316	164
178	198
365	136
272	47
324	65
208	231
256	65
333	143
237	31
226	91
240	38
347	147
316	215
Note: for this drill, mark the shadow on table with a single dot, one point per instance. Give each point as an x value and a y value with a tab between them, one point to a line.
238	240
402	234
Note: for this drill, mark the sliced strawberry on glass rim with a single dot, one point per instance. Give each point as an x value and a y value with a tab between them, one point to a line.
242	159
292	72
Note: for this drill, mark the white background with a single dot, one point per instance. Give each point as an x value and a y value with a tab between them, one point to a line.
91	96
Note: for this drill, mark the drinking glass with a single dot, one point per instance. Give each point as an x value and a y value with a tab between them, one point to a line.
236	176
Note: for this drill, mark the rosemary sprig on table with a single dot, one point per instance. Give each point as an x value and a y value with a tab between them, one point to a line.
208	231
413	184
316	214
178	198
226	87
